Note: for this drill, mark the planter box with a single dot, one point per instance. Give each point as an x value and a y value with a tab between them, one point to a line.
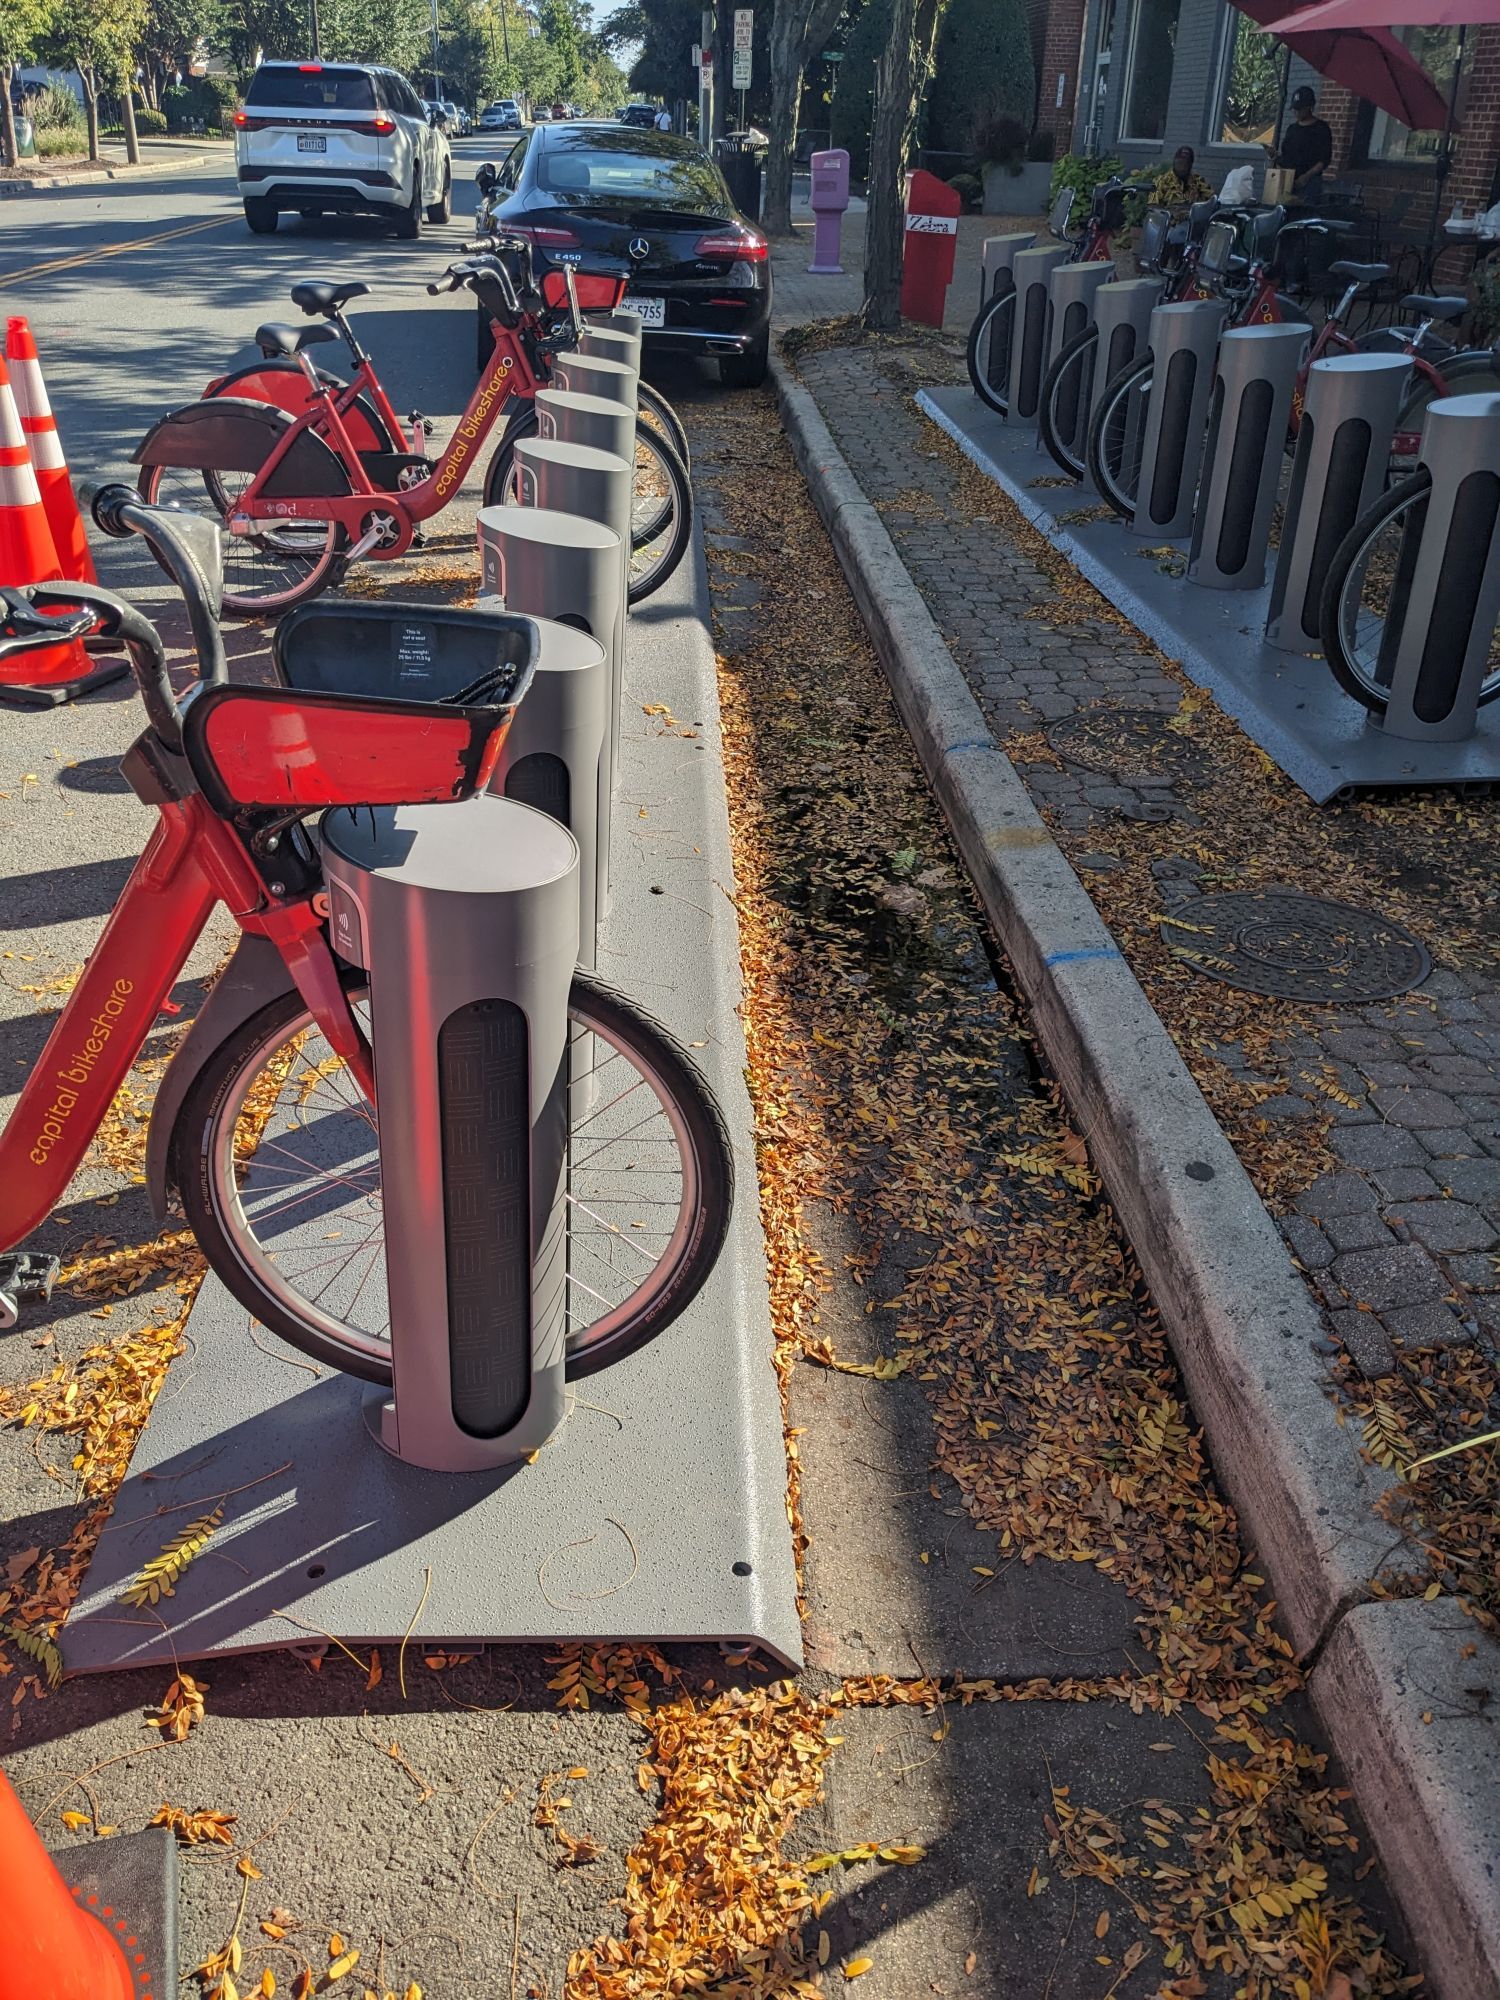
1025	193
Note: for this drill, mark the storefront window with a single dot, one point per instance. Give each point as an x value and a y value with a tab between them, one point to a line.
1251	88
1436	49
1153	47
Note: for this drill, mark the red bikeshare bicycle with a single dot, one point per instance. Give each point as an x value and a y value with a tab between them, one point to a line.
266	1121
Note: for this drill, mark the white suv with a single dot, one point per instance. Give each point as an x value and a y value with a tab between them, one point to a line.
315	136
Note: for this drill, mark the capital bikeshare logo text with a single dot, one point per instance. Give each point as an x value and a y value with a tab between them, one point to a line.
79	1069
472	427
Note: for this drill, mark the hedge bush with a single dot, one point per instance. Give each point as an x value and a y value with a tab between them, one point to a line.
55	110
983	73
853	110
148	123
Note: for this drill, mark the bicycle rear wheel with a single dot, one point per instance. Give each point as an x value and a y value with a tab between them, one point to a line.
276	1159
654	409
988	351
264	574
1117	434
1063	410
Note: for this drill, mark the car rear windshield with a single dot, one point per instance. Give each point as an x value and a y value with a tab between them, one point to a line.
315	87
582	168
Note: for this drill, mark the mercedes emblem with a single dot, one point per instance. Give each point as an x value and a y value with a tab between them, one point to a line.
639	248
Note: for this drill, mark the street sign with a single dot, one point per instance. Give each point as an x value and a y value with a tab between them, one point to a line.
741	72
833	55
706	61
744	27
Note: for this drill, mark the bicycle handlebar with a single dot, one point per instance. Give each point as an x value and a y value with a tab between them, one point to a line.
189	548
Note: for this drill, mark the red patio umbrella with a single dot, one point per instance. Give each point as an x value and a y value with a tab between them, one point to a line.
1363	56
1389	14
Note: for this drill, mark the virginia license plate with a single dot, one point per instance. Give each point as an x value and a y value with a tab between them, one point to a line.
653	312
311	142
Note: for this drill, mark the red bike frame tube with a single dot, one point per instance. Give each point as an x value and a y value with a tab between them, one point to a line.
509	375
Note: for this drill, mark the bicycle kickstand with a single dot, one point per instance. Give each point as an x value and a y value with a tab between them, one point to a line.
25	1276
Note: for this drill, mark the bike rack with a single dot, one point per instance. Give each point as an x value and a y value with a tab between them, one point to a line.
996	260
1073	290
1251	406
1032	270
1183	338
466	919
564	572
592	420
608	343
1343	448
592	375
1122	313
1435	659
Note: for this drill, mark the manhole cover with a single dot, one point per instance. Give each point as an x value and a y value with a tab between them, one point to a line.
1130	742
1297	947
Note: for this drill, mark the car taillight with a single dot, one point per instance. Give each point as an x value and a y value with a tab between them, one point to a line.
748	246
544	235
311	69
374	128
243	121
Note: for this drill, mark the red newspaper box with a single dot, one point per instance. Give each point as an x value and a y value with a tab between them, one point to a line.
931	242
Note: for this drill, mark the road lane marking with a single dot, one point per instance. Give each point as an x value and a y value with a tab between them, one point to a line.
108	250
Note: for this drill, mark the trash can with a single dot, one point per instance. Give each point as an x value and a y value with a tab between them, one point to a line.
742	159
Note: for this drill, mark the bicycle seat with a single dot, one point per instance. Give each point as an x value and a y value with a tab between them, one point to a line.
290	340
1359	274
1427	305
319	295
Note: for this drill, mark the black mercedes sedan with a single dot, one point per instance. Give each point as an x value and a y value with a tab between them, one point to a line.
653	208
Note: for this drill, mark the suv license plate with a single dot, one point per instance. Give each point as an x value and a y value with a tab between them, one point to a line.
653	312
311	142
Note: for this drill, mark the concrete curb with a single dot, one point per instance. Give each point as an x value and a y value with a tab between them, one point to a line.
54	183
1238	1315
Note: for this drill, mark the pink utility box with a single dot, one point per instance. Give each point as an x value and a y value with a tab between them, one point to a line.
830	197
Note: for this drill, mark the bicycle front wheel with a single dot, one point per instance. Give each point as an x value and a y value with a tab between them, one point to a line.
278	1165
988	351
1117	434
1367	591
1063	411
654	409
265	573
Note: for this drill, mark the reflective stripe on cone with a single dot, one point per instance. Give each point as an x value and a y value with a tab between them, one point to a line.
27	552
69	538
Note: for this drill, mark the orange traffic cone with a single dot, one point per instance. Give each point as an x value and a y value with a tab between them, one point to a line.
49	1944
29	555
45	444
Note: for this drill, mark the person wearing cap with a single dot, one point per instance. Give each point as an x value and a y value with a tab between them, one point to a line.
1306	147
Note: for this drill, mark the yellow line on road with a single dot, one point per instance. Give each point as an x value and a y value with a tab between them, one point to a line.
108	250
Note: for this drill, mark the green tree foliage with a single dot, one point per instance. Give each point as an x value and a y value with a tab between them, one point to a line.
98	38
170	38
23	23
665	31
984	72
397	32
853	111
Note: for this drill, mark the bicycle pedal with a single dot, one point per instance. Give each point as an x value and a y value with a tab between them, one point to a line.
418	421
25	1276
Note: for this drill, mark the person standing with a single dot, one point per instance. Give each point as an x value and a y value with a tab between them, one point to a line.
664	120
1306	147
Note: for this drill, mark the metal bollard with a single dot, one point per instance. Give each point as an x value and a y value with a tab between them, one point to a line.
1437	657
466	918
590	420
553	756
599	485
1073	290
607	343
1343	449
554	566
1251	405
620	320
1032	270
996	259
1122	313
1183	339
592	375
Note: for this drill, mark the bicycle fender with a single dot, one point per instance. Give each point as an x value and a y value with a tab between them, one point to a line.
236	434
255	975
283	386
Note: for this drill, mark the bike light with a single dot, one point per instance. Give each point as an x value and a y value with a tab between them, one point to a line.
745	245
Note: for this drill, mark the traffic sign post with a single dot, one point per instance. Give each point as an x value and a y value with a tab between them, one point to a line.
744	42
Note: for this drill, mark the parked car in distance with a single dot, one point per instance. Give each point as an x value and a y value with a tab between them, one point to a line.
654	208
638	114
345	138
504	115
458	118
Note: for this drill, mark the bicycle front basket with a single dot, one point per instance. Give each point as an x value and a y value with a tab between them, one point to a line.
595	290
381	704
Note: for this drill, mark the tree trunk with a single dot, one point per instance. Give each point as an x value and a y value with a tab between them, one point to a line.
786	101
132	137
91	107
9	146
899	82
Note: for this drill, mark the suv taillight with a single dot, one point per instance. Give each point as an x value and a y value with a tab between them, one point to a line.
747	246
374	128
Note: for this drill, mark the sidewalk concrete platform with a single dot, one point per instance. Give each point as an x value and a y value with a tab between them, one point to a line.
658	1511
1293	708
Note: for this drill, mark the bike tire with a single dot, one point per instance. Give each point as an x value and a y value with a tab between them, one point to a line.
987	353
1472	373
1062	411
264	575
656	410
211	1176
1113	454
1349	627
